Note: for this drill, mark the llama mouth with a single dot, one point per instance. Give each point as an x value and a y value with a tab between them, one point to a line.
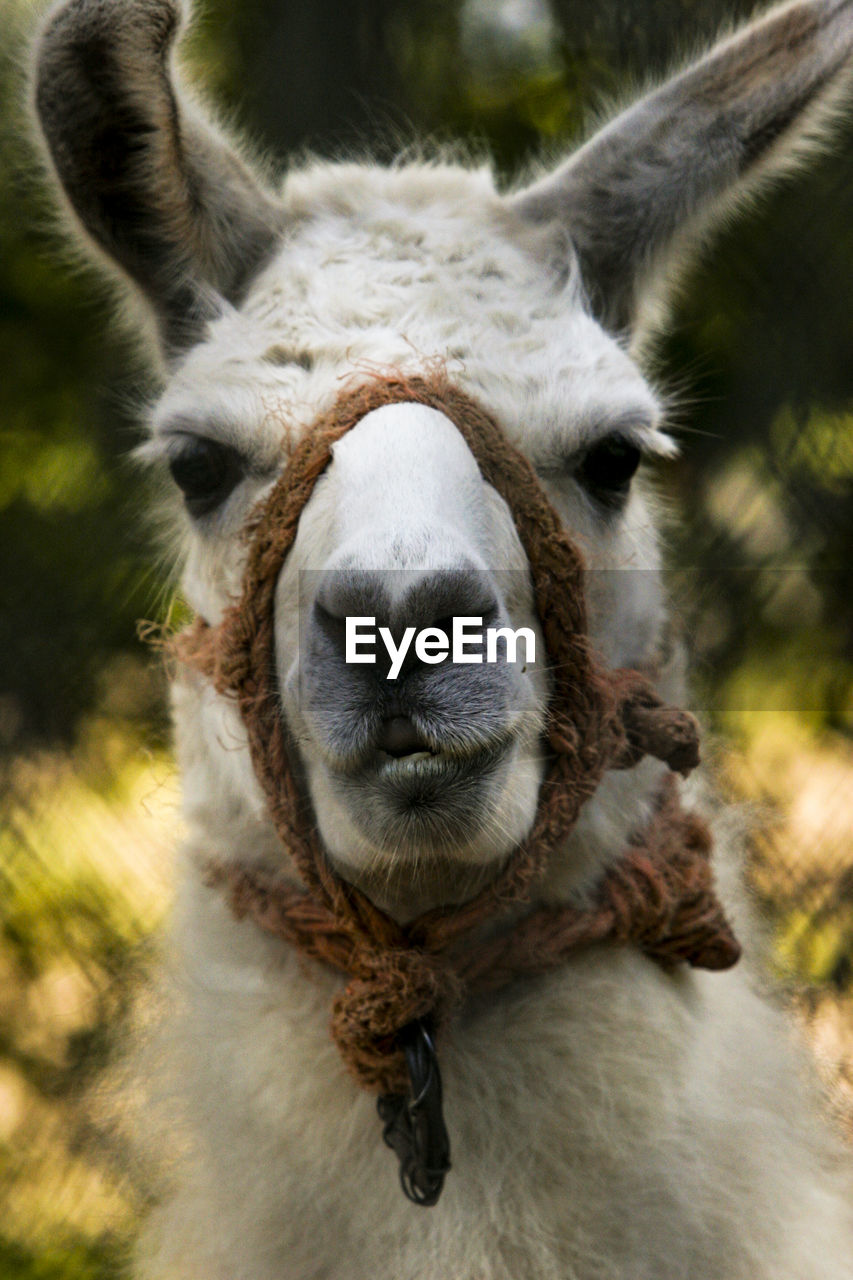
427	776
428	803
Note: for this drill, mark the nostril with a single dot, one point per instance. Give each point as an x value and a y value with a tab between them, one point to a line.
351	592
399	737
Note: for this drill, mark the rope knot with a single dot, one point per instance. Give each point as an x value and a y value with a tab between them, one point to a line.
389	990
650	727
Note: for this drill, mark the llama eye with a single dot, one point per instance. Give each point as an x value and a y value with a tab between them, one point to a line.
205	471
607	469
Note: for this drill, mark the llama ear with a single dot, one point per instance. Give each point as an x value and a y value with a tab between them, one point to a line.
663	172
153	184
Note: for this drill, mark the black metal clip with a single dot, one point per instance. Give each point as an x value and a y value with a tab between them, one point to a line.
413	1125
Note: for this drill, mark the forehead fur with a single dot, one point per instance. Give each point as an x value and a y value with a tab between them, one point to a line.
391	268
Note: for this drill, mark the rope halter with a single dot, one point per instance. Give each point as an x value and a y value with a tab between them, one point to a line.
658	897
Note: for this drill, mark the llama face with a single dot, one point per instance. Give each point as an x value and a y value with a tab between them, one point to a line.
402	527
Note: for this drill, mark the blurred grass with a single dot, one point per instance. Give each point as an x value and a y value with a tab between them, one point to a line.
84	884
798	783
796	778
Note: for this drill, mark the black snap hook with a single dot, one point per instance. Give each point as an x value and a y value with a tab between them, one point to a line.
413	1124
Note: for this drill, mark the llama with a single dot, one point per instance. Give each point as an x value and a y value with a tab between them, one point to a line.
623	1115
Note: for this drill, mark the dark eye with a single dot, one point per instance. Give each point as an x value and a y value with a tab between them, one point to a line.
205	471
607	469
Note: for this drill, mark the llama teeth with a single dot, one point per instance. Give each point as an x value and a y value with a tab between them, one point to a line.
415	762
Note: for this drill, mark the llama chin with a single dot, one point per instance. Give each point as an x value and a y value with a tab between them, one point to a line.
357	842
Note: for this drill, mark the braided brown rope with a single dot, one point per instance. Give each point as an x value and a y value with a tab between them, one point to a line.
661	894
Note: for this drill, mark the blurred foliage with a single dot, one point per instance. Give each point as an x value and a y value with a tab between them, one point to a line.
71	555
84	878
758	355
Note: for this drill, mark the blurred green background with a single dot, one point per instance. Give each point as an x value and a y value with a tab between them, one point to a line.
760	357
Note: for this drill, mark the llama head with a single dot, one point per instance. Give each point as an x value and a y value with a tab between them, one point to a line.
265	304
